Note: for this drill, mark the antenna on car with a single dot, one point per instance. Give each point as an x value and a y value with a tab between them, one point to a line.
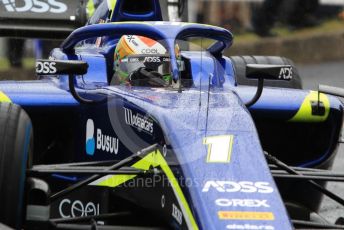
206	121
318	98
271	72
200	79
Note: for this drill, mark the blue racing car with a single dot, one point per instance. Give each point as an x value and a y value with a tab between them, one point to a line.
139	123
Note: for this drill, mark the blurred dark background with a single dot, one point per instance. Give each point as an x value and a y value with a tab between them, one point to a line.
261	27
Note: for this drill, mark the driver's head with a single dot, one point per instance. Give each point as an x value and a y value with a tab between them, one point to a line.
134	52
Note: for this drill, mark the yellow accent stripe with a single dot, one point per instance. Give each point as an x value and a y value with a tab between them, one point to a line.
155	159
4	98
179	194
305	112
90	8
112	5
117	180
234	215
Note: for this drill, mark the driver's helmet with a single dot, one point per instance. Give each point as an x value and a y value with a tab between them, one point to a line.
135	52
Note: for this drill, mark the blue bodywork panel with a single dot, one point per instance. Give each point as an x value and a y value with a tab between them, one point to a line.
186	124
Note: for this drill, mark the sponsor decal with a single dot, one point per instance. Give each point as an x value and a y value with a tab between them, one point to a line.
133	59
138	121
177	214
152	59
149	51
241	186
46	67
106	143
103	142
149	59
68	209
90	142
250	227
35	6
135	43
286	73
242	203
234	215
130	38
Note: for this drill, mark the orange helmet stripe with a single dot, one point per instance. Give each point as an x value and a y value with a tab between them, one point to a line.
149	42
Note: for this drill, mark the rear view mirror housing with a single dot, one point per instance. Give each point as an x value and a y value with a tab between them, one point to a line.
65	67
271	72
60	67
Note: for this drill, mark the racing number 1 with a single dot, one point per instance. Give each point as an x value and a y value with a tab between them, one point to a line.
219	148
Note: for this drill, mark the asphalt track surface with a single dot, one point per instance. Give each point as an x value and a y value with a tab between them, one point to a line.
331	73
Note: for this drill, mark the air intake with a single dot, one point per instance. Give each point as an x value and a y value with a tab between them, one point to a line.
137	10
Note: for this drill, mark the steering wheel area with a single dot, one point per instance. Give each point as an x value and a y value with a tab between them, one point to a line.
145	77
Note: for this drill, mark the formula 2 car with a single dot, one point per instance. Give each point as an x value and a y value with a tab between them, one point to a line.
201	150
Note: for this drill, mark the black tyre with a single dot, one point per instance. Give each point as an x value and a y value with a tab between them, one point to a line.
16	146
240	62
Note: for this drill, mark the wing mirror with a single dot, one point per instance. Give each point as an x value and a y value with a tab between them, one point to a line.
65	67
271	72
60	67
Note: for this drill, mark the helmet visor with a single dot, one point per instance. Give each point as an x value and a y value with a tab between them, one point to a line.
158	63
